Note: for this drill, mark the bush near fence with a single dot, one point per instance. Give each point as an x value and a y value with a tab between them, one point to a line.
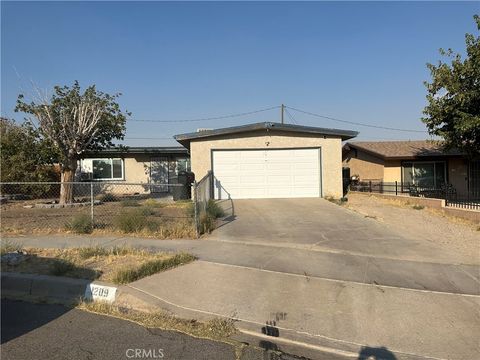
98	206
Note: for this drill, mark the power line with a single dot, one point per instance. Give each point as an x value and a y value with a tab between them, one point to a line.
291	117
355	123
208	118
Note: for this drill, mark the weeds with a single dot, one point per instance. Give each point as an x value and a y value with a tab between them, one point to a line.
131	221
217	329
207	223
340	201
91	251
130	203
126	276
8	246
154	203
207	218
80	224
214	210
108	198
61	267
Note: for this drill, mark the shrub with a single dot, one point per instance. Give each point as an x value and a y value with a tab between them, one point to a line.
207	223
153	203
418	207
146	211
151	267
91	251
214	210
8	246
152	226
131	221
130	203
80	224
61	267
108	197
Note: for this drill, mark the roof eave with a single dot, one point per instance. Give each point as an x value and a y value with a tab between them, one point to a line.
185	139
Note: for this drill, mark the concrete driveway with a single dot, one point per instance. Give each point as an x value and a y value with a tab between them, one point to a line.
317	224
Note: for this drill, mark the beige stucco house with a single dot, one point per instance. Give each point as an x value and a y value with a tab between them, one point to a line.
422	163
269	160
144	169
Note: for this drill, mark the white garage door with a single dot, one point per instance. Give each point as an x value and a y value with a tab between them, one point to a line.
249	174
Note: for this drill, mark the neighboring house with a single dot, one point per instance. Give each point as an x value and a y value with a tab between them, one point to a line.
422	163
140	165
269	160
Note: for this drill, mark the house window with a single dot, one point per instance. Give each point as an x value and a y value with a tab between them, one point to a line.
425	173
103	169
183	165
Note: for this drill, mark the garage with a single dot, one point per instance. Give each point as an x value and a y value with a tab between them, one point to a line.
266	173
267	160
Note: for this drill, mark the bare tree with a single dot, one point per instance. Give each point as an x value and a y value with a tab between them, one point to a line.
75	122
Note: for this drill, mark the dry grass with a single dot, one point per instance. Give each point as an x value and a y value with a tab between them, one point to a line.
7	246
128	275
163	220
216	329
92	262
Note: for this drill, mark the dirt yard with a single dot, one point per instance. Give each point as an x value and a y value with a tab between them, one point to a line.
147	217
452	233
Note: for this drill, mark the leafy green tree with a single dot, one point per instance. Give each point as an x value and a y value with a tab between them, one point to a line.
25	157
453	110
75	122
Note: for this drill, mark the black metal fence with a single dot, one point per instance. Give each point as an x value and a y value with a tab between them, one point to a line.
446	192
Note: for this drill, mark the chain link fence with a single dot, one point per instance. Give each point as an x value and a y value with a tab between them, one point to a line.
142	208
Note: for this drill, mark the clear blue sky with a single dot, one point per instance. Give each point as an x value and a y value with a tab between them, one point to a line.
362	62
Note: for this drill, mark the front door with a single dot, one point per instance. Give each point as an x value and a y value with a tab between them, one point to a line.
159	174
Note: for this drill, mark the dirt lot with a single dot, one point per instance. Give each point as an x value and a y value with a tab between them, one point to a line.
159	219
452	233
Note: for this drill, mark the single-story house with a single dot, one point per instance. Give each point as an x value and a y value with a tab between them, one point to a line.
136	165
261	160
269	160
422	163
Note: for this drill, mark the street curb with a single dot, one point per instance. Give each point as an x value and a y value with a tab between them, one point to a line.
49	288
69	290
289	341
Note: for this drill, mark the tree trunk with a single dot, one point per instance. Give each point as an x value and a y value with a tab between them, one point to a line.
66	186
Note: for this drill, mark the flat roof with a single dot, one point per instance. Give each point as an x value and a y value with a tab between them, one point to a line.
140	150
185	139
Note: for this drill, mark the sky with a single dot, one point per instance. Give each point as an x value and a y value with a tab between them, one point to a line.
363	62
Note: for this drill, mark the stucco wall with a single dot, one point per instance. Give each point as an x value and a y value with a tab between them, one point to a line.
392	171
136	169
331	153
366	166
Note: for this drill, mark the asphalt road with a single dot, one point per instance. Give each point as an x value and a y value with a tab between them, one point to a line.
45	331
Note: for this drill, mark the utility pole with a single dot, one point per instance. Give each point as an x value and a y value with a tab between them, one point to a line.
283	109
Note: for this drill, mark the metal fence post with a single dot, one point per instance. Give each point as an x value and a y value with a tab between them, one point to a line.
195	205
396	188
370	185
92	218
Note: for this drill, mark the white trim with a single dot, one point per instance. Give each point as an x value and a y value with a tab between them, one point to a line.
89	168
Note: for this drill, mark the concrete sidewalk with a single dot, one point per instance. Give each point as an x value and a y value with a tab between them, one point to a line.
300	260
336	314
